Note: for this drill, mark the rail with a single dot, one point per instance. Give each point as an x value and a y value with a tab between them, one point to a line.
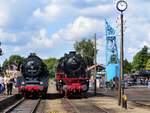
35	107
73	106
23	102
14	106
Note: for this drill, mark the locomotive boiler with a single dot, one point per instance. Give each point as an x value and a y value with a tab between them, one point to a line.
71	76
35	76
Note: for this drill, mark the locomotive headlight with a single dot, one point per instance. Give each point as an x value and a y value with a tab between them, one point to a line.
60	80
41	83
23	83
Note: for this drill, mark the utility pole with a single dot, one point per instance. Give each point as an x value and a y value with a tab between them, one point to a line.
121	6
95	63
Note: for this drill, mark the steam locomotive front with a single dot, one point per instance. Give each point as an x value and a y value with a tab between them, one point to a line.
73	79
35	75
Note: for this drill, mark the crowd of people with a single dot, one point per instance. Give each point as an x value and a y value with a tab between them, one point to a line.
113	84
138	81
6	85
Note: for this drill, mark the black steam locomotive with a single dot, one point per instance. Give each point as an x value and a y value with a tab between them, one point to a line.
34	76
71	76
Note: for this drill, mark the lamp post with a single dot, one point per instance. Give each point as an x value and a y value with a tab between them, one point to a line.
95	63
121	6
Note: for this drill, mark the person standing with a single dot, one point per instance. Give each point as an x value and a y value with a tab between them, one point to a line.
1	82
149	83
9	87
5	84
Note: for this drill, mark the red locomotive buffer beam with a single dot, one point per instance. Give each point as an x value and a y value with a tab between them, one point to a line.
33	88
72	85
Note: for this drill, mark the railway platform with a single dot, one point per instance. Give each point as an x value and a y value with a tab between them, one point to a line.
6	100
4	95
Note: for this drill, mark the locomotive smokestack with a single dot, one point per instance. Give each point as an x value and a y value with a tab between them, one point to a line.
72	53
32	54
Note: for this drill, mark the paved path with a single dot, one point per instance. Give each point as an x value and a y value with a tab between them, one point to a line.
54	103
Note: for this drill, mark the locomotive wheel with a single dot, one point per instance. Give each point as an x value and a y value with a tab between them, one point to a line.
44	96
84	95
35	95
26	95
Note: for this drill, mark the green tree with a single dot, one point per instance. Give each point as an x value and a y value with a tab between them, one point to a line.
127	66
13	59
5	63
86	49
140	59
51	65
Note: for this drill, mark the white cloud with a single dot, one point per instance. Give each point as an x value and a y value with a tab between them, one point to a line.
101	44
101	50
86	17
49	13
82	27
144	43
99	10
41	40
56	10
132	50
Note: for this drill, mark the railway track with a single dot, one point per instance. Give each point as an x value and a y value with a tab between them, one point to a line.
82	106
144	104
24	106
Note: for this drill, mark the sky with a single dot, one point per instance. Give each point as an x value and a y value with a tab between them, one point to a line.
51	27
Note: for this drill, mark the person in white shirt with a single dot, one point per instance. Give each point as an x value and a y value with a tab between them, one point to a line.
1	79
1	84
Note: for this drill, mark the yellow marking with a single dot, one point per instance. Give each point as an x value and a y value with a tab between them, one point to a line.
53	112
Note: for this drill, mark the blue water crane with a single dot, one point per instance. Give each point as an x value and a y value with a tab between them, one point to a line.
112	61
